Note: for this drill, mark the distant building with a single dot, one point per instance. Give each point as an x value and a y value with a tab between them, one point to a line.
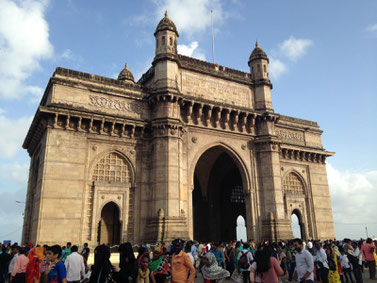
181	153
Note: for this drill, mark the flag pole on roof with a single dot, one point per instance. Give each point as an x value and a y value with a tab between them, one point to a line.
213	39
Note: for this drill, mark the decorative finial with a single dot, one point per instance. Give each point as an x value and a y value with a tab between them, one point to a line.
256	44
166	13
126	66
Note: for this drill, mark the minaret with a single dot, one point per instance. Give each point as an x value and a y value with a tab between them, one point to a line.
258	63
165	61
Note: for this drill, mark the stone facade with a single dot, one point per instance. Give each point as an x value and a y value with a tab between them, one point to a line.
118	160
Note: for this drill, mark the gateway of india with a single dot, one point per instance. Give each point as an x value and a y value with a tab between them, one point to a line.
183	152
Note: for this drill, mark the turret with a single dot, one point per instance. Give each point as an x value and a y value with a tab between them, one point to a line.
166	36
126	75
165	61
258	63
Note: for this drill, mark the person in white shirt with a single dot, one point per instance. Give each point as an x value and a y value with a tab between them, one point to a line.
75	266
304	263
16	249
320	260
345	264
245	267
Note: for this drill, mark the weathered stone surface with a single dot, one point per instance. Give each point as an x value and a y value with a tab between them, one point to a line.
97	140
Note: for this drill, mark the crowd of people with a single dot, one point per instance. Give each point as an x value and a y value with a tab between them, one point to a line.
182	262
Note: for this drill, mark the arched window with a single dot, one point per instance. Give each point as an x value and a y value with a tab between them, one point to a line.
163	40
112	168
171	41
265	68
293	184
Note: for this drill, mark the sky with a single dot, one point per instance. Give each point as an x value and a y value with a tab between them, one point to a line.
323	65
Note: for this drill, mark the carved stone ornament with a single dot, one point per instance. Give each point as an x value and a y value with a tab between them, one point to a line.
243	146
94	147
194	139
160	213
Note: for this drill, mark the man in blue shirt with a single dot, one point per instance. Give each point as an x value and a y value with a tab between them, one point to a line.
218	253
56	272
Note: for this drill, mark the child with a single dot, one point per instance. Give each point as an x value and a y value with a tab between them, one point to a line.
143	272
345	264
56	271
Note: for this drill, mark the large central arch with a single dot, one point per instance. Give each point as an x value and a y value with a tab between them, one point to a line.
218	196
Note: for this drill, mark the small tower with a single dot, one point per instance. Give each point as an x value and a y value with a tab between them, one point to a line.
126	75
165	62
258	63
166	36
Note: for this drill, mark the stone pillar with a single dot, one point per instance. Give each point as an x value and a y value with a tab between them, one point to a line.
275	226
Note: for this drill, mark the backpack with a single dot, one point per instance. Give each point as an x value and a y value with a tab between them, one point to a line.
243	262
331	262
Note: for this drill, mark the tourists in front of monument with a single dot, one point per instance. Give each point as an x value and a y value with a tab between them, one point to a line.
127	264
229	258
368	253
36	257
304	263
56	272
102	269
291	260
346	267
182	270
265	268
211	271
19	270
159	267
67	251
245	258
143	273
188	252
85	252
218	253
15	251
355	258
320	261
75	266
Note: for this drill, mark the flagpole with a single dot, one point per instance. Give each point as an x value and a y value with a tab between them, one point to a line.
213	39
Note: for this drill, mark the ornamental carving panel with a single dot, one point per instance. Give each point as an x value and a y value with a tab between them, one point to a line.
292	184
291	136
112	168
115	104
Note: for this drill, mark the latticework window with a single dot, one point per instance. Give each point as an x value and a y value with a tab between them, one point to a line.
293	184
237	195
113	168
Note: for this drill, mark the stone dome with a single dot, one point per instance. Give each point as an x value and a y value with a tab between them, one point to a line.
258	53
126	75
166	24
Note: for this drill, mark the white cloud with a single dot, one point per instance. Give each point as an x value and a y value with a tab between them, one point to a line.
12	134
191	50
372	29
16	173
277	68
192	16
24	41
353	202
294	48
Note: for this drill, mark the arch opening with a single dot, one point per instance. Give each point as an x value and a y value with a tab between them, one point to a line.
109	225
218	196
241	229
296	224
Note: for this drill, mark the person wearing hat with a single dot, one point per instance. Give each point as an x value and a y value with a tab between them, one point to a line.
182	270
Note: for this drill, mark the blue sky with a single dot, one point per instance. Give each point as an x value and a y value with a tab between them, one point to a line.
323	64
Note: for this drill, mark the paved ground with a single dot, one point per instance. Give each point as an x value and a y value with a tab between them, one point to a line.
199	279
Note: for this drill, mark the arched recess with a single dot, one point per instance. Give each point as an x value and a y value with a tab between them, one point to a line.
112	177
108	231
296	200
220	194
297	214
